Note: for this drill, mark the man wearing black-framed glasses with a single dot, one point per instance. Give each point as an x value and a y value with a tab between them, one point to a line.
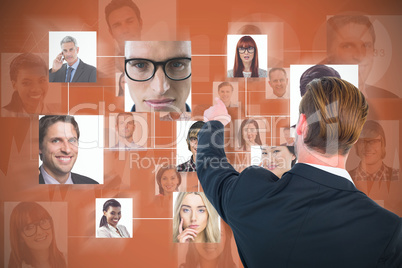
370	148
158	75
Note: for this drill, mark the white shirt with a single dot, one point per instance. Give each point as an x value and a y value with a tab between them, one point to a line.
111	232
50	180
334	170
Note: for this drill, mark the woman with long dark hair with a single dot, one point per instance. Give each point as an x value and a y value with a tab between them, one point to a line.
246	59
249	134
109	227
32	237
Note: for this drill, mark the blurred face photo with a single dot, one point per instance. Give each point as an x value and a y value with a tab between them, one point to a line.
113	215
278	82
250	133
124	25
59	149
125	125
38	235
70	52
32	86
277	159
194	213
169	181
157	91
225	94
370	150
353	44
193	146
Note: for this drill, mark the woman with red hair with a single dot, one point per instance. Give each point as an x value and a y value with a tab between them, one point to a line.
246	60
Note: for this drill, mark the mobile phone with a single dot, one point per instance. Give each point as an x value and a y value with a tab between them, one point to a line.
62	56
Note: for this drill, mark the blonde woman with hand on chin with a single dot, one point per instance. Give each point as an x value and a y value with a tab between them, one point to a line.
195	220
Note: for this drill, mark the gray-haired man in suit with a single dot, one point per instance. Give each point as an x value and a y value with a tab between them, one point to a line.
75	70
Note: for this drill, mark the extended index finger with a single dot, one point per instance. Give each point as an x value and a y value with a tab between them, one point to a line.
219	102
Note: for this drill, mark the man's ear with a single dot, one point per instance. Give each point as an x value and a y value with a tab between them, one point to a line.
301	127
13	83
78	50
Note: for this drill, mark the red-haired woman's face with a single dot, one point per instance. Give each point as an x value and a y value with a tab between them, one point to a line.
38	235
246	54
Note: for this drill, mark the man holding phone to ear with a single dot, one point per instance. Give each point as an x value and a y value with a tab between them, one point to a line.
75	70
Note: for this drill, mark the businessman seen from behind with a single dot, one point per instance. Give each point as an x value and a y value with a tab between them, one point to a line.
313	216
58	150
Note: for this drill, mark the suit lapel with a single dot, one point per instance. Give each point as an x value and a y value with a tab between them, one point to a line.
41	180
62	73
79	71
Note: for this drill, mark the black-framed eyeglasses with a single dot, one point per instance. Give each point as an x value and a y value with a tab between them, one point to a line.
142	70
371	142
30	229
243	49
193	139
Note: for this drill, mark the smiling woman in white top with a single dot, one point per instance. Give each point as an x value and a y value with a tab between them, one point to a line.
246	60
108	227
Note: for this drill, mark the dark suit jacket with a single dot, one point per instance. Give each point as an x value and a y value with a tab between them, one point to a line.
188	109
84	73
76	178
309	218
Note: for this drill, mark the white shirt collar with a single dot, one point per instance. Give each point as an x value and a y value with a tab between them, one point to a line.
50	180
334	170
75	65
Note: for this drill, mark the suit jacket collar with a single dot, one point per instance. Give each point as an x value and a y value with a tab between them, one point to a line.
42	181
78	72
319	176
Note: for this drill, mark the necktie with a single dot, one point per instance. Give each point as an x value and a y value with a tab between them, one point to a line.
69	70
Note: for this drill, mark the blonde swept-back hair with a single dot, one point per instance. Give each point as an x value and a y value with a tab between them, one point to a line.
336	111
212	233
